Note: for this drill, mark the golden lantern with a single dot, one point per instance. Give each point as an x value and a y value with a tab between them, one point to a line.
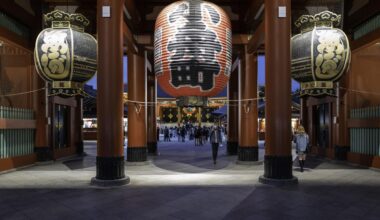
64	54
320	53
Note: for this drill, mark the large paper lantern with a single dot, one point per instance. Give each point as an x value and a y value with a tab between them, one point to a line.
320	53
64	54
192	50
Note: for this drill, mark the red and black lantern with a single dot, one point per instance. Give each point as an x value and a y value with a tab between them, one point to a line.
192	50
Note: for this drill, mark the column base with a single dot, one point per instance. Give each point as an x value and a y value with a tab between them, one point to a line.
341	152
44	154
137	154
278	182
110	172
248	153
232	147
249	163
109	183
278	170
152	148
142	163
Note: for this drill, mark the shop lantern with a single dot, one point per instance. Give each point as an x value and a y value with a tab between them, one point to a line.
64	54
320	53
192	51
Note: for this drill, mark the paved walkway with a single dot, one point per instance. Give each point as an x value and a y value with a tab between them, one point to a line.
182	183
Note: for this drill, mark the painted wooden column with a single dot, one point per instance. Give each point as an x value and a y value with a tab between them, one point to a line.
199	116
179	116
341	144
110	151
152	124
43	146
248	146
233	113
304	114
79	119
137	136
278	136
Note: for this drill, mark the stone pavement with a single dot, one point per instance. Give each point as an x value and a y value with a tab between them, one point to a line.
182	183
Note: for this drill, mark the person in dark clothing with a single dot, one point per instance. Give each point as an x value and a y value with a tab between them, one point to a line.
215	139
158	134
196	136
166	134
200	131
183	134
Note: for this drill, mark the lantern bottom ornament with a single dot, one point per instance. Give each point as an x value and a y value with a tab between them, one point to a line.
317	88
67	88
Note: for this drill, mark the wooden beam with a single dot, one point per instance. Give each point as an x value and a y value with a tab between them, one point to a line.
21	15
132	13
258	38
8	35
253	10
363	123
129	41
239	38
144	39
17	124
366	39
363	14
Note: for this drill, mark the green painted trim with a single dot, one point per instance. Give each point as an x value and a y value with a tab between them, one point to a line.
367	27
14	26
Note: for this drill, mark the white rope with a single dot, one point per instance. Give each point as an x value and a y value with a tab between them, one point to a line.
21	93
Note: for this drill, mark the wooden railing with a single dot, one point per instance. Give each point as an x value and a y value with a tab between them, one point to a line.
364	127
17	128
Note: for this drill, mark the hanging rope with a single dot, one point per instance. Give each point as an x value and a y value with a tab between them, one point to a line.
21	93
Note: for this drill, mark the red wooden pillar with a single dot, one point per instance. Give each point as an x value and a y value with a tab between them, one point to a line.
137	135
152	123
341	146
79	119
233	113
110	158
248	146
43	147
278	135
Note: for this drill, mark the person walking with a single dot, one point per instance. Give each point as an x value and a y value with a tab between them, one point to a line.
302	141
183	134
196	136
215	139
179	133
158	133
166	134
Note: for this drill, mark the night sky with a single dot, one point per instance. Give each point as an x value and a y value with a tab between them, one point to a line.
261	74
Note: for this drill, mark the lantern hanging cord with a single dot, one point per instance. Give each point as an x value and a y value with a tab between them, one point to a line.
360	91
236	102
22	93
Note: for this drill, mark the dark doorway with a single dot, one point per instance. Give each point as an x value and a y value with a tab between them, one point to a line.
61	113
322	124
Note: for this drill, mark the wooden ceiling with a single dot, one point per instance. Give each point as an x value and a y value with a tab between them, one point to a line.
140	15
149	9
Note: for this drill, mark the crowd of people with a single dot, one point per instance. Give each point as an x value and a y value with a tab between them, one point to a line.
217	135
200	135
